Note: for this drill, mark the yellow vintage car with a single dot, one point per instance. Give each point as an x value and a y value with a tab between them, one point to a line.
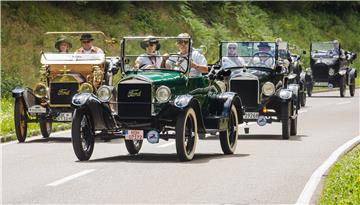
62	75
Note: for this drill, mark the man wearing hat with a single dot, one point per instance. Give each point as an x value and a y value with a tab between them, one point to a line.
62	44
152	58
198	61
87	46
264	56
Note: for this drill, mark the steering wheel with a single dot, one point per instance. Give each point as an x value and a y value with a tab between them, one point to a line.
261	54
177	64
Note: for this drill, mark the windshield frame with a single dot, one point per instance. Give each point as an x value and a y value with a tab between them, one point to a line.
324	42
221	43
123	56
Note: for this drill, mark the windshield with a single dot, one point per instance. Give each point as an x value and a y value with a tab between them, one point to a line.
156	53
249	54
66	47
324	49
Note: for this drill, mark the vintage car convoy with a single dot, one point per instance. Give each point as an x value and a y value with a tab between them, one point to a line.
62	75
329	67
157	103
255	73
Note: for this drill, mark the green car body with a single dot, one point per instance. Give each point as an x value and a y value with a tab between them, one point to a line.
136	107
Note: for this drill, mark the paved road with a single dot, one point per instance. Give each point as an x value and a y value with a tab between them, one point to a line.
265	169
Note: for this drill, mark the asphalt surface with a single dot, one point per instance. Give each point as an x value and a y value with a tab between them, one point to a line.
264	170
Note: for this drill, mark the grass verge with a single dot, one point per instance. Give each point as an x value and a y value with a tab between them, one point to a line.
7	129
342	185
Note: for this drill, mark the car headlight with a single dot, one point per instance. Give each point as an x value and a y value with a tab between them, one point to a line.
308	71
268	89
331	71
104	93
86	88
285	94
40	90
163	94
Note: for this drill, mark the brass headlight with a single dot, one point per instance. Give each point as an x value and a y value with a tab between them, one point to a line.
40	90
86	88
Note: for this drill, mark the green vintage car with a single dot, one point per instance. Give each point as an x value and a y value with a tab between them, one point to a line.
153	103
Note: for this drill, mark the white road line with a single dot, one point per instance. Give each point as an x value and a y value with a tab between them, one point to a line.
302	111
250	123
343	103
29	139
69	178
166	145
315	178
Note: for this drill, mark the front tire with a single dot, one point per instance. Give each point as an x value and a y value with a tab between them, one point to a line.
82	136
20	119
186	135
45	128
342	86
285	120
309	89
229	138
352	87
133	146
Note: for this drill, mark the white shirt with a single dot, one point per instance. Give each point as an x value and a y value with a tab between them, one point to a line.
196	57
228	62
145	59
269	62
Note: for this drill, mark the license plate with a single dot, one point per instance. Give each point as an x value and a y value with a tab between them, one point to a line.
37	109
64	116
251	115
134	134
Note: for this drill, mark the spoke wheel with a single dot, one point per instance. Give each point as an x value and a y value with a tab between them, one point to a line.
229	138
186	135
45	128
285	120
309	90
82	135
303	99
20	119
133	146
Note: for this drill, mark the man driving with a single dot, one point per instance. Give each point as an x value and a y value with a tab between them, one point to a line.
198	63
151	58
87	45
264	56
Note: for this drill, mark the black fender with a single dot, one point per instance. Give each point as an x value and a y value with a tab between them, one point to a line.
26	94
227	99
352	73
182	102
99	111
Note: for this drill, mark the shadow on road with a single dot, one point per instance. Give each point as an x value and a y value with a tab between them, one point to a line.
161	158
51	139
332	96
270	137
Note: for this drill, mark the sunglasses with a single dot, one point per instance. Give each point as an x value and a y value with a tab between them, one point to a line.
233	48
182	41
85	41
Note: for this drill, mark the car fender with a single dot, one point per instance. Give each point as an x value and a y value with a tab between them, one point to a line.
352	73
227	99
182	102
285	94
18	92
99	111
26	94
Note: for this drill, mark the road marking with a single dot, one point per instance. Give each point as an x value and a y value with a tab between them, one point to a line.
37	137
315	178
302	111
69	178
244	124
166	145
343	103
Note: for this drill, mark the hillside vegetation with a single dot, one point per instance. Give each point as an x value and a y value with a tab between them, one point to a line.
24	23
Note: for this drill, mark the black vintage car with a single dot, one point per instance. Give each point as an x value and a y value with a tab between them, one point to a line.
262	83
157	101
294	65
62	75
329	67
